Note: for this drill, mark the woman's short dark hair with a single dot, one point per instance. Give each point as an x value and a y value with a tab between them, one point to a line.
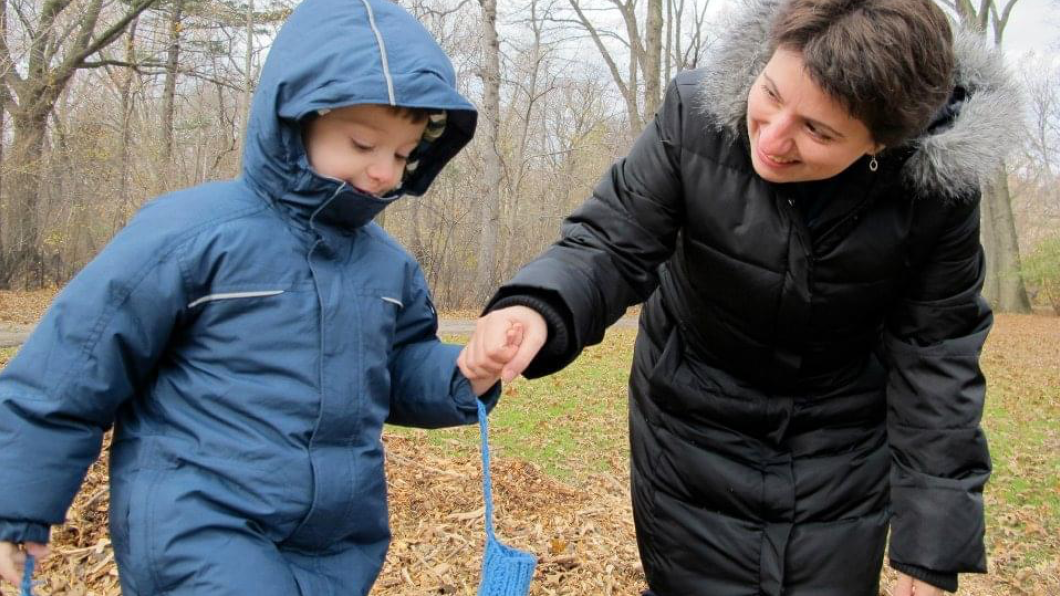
888	62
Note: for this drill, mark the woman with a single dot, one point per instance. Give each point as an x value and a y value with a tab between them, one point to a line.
802	219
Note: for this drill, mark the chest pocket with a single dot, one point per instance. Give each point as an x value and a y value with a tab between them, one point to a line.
234	296
259	317
379	315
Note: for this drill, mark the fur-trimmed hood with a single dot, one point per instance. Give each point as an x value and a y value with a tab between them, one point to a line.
948	162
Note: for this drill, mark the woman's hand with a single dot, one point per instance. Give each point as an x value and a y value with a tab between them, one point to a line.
489	353
908	586
13	560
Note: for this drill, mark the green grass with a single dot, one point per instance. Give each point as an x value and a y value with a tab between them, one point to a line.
572	424
1023	497
6	354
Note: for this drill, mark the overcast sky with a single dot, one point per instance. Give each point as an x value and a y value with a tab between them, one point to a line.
1034	25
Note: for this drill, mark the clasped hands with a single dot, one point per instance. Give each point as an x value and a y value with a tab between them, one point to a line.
504	343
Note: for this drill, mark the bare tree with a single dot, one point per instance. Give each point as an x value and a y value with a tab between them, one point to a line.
490	127
169	91
655	44
248	72
1036	178
644	54
532	80
652	58
129	75
5	98
696	41
1004	287
61	39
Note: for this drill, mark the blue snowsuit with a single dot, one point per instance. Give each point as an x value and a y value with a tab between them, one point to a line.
248	339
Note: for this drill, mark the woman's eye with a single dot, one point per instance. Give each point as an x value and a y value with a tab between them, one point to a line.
770	93
816	133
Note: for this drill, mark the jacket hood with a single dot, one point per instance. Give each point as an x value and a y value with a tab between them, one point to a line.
336	53
948	160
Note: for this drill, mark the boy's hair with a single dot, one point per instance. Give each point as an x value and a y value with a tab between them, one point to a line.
415	115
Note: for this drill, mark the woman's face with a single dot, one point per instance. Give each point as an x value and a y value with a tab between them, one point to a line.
798	132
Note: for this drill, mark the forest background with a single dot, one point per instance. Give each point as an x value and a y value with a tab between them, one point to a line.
108	103
105	104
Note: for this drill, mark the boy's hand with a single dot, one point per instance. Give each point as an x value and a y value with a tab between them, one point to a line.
908	586
490	354
13	560
504	343
483	378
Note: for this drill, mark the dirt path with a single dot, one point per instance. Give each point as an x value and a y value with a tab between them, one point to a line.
14	335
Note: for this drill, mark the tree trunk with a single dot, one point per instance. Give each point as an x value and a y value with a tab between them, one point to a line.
1004	287
126	128
519	162
653	35
248	77
628	90
169	89
24	251
988	235
668	50
54	57
1012	293
5	96
489	218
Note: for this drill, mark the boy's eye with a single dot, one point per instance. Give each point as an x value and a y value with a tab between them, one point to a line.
360	146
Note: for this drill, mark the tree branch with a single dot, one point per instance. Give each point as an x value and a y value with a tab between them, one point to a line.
626	92
10	76
983	15
967	14
114	31
42	36
135	66
1002	23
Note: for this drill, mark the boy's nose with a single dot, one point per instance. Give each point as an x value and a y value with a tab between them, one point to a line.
382	174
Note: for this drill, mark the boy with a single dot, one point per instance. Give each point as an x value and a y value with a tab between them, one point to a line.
249	338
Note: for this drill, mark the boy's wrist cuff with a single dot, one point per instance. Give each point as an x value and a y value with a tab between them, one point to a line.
24	531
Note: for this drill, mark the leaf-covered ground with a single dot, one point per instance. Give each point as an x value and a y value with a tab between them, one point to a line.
560	485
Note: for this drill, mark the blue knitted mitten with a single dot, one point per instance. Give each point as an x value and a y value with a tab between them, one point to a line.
27	577
505	570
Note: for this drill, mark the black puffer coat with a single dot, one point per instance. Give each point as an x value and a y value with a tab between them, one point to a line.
796	388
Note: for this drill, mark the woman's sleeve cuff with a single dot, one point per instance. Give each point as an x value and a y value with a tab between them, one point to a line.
941	580
558	342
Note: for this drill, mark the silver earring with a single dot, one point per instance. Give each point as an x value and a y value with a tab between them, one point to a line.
873	164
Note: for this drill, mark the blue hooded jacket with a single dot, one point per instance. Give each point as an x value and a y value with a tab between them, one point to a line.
248	339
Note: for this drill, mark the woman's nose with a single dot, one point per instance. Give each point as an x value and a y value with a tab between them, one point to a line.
775	137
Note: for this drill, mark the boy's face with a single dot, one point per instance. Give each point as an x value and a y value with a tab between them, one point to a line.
365	146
